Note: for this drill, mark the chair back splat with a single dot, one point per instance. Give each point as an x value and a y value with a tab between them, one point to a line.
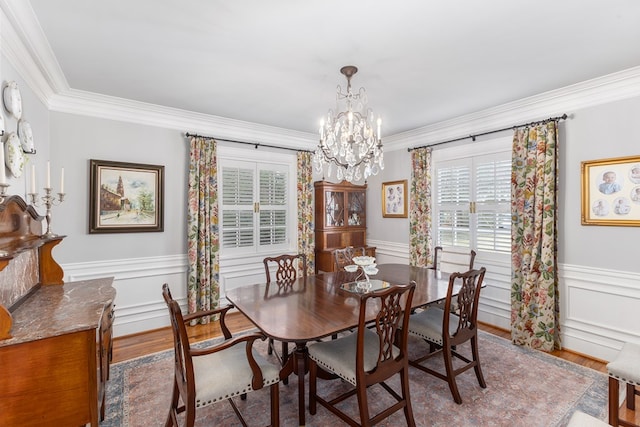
234	357
288	267
445	330
373	354
344	256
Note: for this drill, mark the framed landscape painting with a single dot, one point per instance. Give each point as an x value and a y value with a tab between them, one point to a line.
125	197
611	191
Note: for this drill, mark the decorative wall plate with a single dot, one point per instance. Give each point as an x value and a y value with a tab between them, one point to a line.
13	156
26	136
12	99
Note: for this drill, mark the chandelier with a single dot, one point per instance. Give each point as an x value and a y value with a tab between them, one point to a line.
349	143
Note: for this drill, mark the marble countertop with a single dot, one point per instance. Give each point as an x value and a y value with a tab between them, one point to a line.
55	310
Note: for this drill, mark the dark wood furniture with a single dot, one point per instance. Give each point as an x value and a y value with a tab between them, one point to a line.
55	338
375	353
317	307
341	220
438	258
235	356
345	256
286	272
287	267
445	331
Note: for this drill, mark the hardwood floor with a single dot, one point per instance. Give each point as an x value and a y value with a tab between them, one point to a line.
132	346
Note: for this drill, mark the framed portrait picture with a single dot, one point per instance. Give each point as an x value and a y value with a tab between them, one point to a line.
125	197
394	199
611	191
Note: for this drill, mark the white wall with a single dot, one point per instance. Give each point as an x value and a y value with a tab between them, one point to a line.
37	114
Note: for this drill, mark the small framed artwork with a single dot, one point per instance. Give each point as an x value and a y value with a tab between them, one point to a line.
611	191
394	199
125	197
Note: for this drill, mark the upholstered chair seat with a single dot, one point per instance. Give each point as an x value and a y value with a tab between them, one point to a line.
339	355
625	368
580	419
220	376
427	324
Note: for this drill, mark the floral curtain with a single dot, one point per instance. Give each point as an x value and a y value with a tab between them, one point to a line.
306	242
534	287
203	291
420	240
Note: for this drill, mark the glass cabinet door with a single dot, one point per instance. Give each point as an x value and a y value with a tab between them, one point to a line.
356	208
334	209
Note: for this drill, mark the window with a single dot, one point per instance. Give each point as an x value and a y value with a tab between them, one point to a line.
472	194
255	207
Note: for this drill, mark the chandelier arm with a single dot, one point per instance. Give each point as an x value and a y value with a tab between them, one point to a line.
330	158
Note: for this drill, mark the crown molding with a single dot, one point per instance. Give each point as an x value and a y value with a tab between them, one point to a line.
79	102
24	44
601	90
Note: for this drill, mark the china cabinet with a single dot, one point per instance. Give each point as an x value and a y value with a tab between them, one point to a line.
341	220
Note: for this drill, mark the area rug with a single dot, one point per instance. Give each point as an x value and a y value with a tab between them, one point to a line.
525	388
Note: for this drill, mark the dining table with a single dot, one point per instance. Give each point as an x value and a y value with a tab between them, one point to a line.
322	305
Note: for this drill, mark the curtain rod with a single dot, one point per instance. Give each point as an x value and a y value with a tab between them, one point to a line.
255	144
473	137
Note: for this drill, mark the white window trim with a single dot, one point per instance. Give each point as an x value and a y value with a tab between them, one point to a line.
472	149
230	151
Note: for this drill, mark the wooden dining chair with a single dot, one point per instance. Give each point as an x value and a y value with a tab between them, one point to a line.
204	376
438	255
372	355
344	256
446	331
288	268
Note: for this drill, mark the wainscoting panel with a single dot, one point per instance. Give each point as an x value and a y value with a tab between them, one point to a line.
599	310
138	305
598	307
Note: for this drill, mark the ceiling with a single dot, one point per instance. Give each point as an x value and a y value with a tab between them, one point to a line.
277	62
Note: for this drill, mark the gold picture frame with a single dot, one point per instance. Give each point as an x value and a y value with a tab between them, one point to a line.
394	199
611	191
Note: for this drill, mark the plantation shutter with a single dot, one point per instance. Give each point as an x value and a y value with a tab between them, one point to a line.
493	204
473	202
254	207
273	205
453	197
237	207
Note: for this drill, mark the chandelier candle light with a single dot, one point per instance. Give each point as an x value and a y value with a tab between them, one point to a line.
350	141
48	199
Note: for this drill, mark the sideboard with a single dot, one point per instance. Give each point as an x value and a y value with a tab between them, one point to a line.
55	337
